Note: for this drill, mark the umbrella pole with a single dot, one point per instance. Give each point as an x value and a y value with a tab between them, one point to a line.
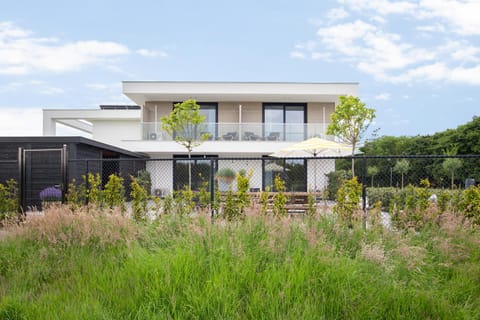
315	172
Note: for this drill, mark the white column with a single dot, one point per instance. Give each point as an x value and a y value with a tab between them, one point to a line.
49	124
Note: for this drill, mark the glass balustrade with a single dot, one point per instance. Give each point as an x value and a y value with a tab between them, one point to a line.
223	131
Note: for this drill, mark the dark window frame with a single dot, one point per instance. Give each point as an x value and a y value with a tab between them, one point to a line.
284	106
194	158
283	173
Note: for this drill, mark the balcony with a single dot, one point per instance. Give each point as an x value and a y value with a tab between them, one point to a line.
244	131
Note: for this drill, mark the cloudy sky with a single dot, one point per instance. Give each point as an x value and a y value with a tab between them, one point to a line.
417	62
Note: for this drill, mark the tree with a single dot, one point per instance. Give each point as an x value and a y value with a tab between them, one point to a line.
402	167
350	121
185	125
372	172
450	165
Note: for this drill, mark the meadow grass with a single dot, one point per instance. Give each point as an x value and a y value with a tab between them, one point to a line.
104	266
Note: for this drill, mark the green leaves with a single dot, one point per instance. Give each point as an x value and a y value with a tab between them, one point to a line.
350	121
185	124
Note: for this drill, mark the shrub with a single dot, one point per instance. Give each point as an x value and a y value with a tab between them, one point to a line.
8	199
335	179
382	195
264	195
139	200
145	180
92	190
470	204
280	199
113	193
348	200
243	185
74	197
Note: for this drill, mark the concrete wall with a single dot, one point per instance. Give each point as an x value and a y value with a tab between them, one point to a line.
316	170
113	132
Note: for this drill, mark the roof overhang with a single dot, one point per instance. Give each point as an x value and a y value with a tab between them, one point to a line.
143	91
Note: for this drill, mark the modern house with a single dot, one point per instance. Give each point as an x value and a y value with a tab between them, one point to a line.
243	120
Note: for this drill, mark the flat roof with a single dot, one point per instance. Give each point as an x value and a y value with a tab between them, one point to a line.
71	139
143	91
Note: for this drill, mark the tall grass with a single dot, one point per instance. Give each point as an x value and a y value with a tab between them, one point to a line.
104	266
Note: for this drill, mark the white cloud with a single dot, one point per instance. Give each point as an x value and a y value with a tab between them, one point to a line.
151	53
383	7
34	86
462	15
51	91
297	55
383	96
371	49
371	43
21	121
21	53
337	14
431	28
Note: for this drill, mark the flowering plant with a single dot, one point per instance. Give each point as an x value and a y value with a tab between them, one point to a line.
51	194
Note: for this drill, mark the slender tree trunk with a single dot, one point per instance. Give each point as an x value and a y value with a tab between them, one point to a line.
353	160
189	169
453	175
402	180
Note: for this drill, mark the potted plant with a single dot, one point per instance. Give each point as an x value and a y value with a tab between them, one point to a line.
225	177
50	195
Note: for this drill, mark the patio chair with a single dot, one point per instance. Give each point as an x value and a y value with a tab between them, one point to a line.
274	136
250	136
230	136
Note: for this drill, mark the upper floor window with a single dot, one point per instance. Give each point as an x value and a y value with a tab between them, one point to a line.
210	111
284	121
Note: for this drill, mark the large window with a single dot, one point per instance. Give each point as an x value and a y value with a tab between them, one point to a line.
292	171
284	121
201	170
209	110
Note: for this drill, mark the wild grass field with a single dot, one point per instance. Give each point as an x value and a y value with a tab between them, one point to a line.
101	265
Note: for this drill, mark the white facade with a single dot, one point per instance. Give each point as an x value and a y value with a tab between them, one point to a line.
241	108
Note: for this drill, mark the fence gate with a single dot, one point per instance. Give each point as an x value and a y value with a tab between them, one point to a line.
41	169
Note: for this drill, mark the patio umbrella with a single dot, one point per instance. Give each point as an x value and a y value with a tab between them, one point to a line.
314	147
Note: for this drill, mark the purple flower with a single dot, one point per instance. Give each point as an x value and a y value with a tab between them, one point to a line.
51	194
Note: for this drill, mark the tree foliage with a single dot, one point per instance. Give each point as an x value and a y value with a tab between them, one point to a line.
186	125
350	121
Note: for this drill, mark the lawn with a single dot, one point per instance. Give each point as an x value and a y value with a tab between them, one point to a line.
92	265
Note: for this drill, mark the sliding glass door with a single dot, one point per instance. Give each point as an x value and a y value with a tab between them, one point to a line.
284	121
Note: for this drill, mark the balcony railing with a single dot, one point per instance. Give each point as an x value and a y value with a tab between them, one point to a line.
244	131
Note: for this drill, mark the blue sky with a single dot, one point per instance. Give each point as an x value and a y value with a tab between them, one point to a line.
417	62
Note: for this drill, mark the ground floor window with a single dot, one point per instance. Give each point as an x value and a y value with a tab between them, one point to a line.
201	170
292	171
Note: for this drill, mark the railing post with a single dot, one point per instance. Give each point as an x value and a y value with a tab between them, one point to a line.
21	183
212	190
64	160
86	182
364	188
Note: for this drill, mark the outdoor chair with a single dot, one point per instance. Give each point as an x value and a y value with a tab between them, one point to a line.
230	136
250	136
274	136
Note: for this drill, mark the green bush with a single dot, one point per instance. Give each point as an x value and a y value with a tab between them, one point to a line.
279	199
8	199
145	180
139	200
382	195
470	204
335	179
113	193
348	200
